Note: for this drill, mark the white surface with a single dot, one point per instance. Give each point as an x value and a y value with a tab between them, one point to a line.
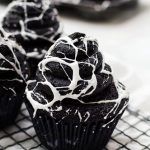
126	41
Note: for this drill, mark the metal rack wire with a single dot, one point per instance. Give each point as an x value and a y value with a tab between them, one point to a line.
132	132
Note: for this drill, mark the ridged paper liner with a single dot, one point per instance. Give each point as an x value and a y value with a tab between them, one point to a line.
9	110
70	136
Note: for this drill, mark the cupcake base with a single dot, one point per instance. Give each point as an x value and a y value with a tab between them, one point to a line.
71	136
9	110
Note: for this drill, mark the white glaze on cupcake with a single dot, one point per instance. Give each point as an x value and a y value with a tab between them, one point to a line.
91	61
41	7
13	67
15	64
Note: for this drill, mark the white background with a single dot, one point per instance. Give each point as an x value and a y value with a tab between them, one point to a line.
125	42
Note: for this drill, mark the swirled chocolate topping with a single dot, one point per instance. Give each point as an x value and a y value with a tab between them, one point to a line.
32	23
74	70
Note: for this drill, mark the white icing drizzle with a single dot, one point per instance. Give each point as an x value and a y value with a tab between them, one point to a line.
10	89
16	64
80	117
25	32
87	115
74	65
13	91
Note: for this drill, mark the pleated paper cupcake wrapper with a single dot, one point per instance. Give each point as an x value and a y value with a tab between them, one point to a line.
69	136
9	111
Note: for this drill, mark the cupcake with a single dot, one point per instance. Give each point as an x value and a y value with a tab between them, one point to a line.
13	74
74	101
97	9
34	24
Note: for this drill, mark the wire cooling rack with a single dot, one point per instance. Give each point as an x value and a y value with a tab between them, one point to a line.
132	132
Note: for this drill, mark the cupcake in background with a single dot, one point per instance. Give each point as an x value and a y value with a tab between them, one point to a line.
74	101
34	24
13	75
96	9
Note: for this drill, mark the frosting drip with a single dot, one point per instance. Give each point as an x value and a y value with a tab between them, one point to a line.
13	67
74	70
33	24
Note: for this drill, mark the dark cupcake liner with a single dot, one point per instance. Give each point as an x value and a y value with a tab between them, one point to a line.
9	110
69	136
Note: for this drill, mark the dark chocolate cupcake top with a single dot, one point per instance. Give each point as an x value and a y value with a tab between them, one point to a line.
32	23
13	66
73	71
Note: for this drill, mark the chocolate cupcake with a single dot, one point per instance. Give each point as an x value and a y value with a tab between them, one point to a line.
34	24
97	9
13	75
75	102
